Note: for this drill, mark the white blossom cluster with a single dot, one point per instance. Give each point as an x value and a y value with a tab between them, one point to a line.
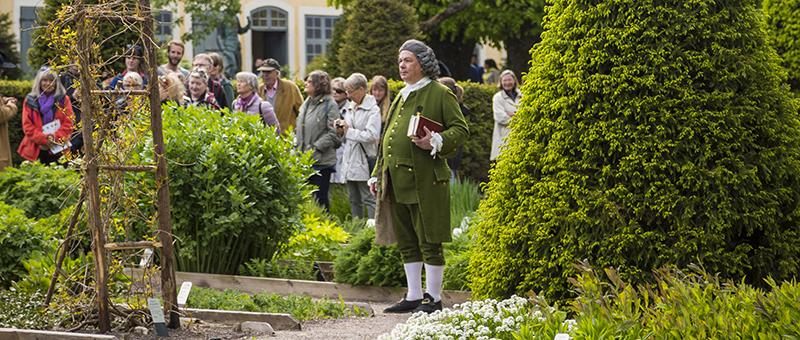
482	320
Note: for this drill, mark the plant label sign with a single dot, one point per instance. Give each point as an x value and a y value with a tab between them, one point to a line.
148	255
158	316
183	295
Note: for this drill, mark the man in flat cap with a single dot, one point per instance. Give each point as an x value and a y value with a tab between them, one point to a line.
284	95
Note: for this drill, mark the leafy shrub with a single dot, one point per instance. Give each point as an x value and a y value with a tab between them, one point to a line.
235	188
364	51
362	262
783	23
302	308
17	89
669	141
19	237
39	190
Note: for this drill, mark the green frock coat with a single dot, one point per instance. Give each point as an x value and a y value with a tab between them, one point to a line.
415	175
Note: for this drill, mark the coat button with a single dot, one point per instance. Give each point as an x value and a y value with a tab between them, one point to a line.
409	170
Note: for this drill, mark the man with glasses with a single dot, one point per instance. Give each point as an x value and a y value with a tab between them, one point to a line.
284	95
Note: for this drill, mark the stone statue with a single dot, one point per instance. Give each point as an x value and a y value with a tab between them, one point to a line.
229	46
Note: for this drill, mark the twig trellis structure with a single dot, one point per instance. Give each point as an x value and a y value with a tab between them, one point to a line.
113	124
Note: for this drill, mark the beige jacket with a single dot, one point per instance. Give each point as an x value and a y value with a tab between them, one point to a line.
7	112
502	105
287	102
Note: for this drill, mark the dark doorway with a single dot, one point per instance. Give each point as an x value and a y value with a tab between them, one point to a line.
271	44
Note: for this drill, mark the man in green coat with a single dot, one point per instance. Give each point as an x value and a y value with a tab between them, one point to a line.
412	177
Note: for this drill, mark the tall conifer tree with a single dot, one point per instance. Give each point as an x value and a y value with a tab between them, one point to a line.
651	133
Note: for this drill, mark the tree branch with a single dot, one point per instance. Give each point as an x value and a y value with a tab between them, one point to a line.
451	10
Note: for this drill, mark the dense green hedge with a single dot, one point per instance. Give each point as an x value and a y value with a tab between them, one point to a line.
783	21
17	89
667	141
235	188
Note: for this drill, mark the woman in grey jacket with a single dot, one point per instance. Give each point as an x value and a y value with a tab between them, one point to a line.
315	132
360	129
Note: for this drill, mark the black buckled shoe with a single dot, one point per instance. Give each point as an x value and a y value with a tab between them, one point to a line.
428	305
404	306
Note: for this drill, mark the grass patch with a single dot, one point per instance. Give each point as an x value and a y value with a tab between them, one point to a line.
302	308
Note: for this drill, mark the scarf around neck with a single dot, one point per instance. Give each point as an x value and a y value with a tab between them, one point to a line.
46	103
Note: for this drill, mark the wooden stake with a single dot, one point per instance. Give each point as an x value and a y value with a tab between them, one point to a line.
91	183
168	286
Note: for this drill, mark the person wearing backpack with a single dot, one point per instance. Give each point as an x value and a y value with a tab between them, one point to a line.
360	129
249	102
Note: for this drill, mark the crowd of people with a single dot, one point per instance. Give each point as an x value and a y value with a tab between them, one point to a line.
357	133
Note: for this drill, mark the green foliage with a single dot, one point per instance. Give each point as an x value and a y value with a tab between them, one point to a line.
364	51
39	190
206	15
235	188
318	240
340	202
8	46
475	157
332	54
19	238
685	305
302	308
783	21
670	141
25	311
277	268
44	46
464	200
362	262
17	89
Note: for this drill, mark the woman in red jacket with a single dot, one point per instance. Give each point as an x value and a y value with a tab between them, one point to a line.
46	119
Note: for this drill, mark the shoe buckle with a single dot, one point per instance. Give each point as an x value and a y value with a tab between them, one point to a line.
426	301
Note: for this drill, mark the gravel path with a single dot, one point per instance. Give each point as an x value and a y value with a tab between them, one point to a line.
349	328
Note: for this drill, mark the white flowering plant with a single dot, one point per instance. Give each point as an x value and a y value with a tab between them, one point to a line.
485	319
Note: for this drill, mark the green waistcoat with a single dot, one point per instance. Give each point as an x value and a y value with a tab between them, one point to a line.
416	176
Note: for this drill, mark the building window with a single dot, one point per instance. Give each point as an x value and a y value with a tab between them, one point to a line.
27	22
319	32
163	30
269	19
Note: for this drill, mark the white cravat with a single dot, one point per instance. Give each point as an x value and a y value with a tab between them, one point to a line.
413	87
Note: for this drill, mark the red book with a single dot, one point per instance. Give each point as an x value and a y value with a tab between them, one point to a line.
418	122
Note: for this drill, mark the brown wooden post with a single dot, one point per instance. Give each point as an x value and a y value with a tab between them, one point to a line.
168	286
90	162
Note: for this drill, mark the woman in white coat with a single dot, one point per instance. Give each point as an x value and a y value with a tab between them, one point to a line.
504	105
359	130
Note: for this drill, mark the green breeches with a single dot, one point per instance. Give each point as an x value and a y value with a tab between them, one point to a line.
408	228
